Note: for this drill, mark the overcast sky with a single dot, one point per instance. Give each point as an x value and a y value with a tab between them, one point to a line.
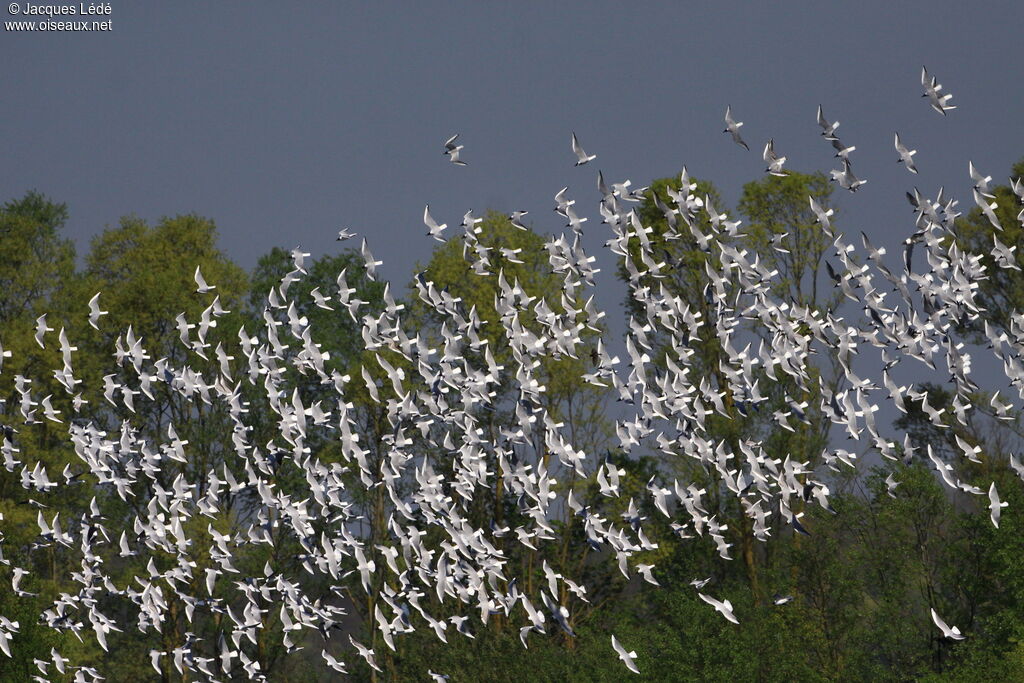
284	125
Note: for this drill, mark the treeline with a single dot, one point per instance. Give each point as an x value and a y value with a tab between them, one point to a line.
846	596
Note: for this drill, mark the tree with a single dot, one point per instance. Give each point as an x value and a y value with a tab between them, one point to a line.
145	279
35	273
691	249
784	232
330	301
1001	291
497	287
37	261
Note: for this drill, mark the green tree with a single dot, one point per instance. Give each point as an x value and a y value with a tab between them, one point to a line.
783	231
519	289
35	273
284	291
1001	293
699	243
145	277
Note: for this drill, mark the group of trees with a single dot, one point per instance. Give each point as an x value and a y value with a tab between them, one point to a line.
862	582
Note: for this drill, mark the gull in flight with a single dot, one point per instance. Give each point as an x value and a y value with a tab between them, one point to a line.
773	160
947	632
842	151
5	641
345	234
581	156
432	226
451	150
19	574
469	222
201	285
371	264
931	90
364	652
995	505
846	179
722	606
628	658
890	485
980	181
41	329
1017	467
906	155
562	202
1005	258
987	208
335	664
94	310
733	128
516	218
645	572
827	129
821	215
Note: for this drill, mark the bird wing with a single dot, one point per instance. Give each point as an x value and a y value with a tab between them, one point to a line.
429	220
626	657
993	496
728	118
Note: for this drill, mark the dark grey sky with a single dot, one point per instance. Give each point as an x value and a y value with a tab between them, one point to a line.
285	124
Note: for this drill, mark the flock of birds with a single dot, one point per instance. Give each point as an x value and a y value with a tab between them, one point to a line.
440	394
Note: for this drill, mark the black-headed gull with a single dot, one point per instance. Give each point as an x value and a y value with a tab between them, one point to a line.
94	310
581	156
722	606
733	128
451	150
628	658
201	285
931	90
995	505
828	130
434	230
906	155
947	632
773	160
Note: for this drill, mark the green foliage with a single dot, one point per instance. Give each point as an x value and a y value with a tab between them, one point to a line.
37	264
1002	291
862	583
566	398
782	231
37	259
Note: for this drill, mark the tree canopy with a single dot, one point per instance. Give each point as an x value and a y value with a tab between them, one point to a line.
279	469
